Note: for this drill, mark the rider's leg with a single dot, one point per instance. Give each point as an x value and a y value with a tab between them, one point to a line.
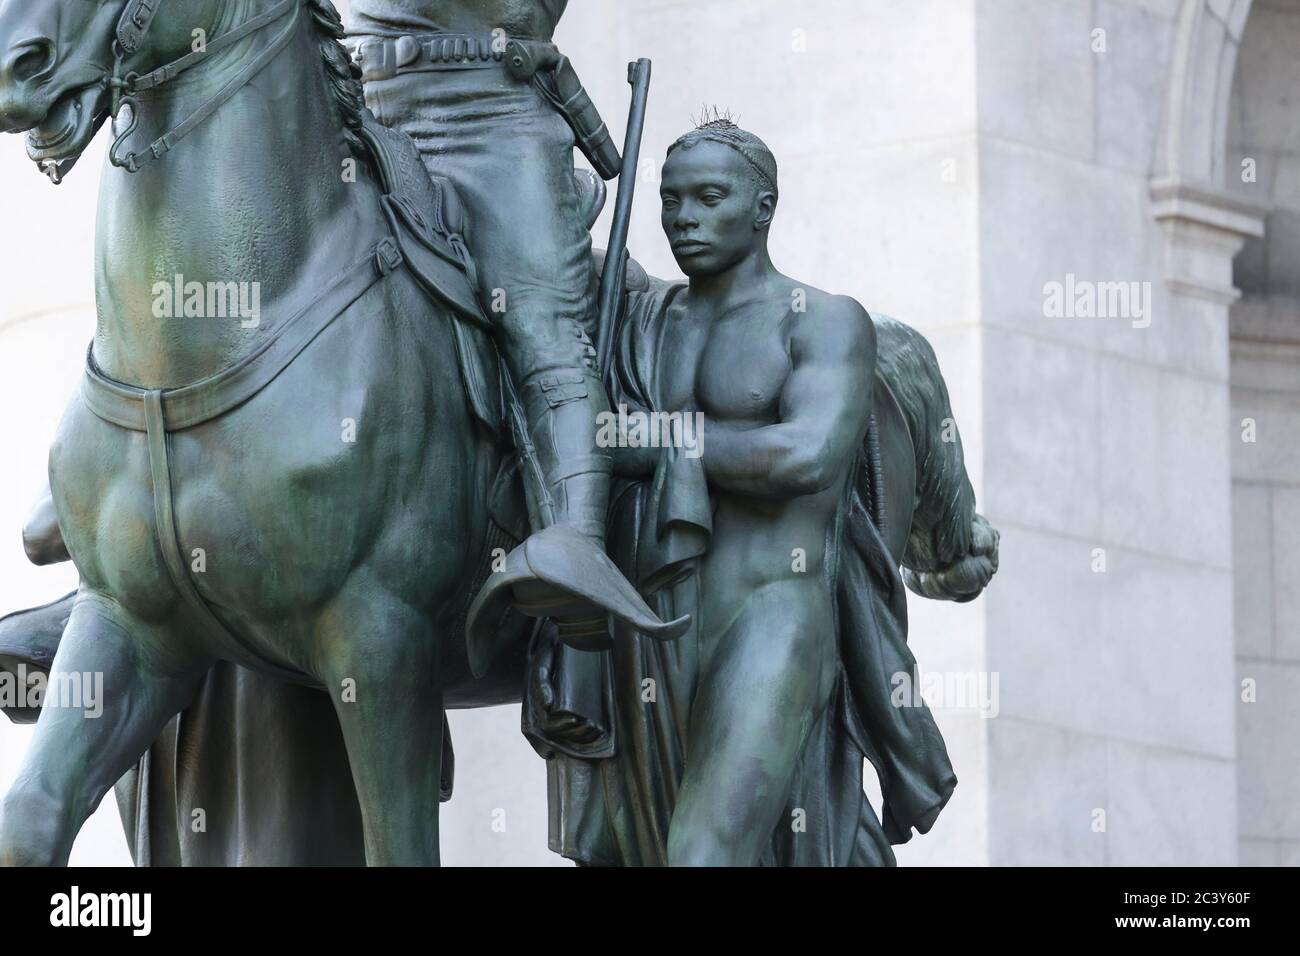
509	155
561	397
132	680
762	686
536	277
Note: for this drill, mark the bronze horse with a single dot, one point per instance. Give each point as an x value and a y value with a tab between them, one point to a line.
272	505
299	492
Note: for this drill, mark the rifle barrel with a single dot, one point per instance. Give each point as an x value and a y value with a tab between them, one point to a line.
611	278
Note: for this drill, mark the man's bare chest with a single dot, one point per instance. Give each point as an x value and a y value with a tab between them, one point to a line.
732	369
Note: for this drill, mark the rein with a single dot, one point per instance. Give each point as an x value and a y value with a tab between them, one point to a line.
133	28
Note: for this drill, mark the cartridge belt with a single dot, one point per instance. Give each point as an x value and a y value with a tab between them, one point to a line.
528	61
382	58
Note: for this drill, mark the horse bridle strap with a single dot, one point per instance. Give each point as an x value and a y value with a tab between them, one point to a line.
134	24
131	31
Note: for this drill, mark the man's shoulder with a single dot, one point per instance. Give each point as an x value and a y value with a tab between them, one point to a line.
827	316
807	299
842	307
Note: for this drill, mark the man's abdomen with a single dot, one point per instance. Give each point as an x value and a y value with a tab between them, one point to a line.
757	541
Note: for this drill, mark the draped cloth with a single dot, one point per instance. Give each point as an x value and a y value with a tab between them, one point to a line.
616	810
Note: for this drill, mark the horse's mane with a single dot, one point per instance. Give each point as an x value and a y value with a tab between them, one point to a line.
343	76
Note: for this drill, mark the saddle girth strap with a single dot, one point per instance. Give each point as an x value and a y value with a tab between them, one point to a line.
156	412
169	543
192	405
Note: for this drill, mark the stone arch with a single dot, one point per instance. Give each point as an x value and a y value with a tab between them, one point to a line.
1205	226
1203	62
1262	151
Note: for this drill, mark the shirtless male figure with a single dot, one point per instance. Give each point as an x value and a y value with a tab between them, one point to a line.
783	375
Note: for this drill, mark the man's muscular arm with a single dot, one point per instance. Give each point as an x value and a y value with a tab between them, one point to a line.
825	409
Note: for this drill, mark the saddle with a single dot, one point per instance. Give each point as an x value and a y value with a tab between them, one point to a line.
428	221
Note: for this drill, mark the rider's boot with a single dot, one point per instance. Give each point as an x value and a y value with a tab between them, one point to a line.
562	571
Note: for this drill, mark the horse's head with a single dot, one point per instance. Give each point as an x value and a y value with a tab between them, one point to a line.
57	61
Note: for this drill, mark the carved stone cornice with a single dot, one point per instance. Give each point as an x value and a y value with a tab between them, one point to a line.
1205	228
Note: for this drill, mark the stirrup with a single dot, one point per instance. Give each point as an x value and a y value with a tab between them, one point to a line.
564	575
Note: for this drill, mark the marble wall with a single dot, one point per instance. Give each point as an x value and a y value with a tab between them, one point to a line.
1264	163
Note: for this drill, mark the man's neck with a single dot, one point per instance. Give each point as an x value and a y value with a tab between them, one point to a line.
743	282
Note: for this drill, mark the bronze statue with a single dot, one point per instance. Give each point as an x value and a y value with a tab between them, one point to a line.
743	742
493	105
259	493
282	504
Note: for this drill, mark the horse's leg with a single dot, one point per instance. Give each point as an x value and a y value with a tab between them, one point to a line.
82	747
380	662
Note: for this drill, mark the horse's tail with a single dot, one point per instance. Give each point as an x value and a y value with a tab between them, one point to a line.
952	551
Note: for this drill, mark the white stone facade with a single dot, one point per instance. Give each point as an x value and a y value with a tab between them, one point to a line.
947	161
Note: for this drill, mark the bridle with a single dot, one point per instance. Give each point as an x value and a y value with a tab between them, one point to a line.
133	28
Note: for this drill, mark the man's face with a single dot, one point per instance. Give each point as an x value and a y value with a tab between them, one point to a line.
711	208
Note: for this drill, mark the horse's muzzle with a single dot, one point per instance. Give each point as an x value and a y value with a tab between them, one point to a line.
23	65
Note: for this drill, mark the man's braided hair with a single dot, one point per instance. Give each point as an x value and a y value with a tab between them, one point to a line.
722	129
